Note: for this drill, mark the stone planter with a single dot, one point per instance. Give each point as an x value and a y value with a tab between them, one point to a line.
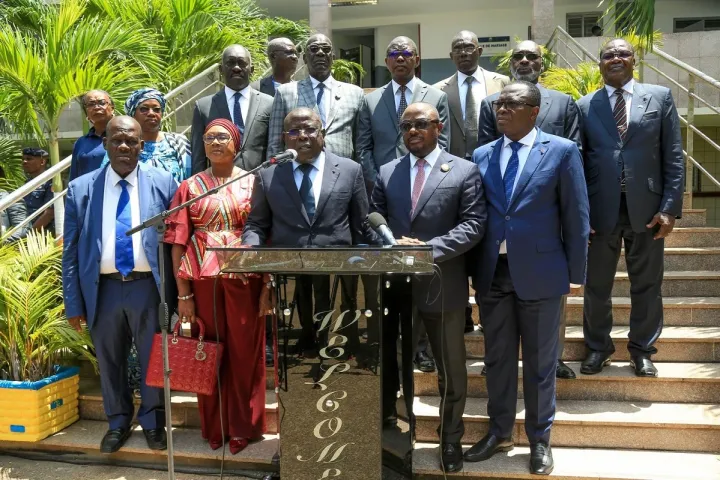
31	411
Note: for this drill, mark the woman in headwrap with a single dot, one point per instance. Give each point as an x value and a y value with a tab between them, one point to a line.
241	300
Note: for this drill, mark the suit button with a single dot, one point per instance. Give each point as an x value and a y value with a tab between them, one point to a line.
507	218
412	235
497	242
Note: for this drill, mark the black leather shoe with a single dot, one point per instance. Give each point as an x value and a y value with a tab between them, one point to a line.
156	438
487	447
484	371
424	362
541	461
643	366
269	357
563	371
452	457
469	325
390	422
114	440
594	362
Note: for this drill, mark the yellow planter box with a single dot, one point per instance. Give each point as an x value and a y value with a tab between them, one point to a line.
31	411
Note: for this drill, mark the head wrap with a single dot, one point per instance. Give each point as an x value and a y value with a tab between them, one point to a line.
139	96
230	127
35	152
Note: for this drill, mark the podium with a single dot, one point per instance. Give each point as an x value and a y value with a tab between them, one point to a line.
330	421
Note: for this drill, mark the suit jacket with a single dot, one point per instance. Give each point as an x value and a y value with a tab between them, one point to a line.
82	240
652	153
277	211
462	141
265	86
558	116
545	223
450	216
254	140
379	139
340	125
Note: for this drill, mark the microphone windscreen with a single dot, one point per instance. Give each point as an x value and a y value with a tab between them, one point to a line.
375	220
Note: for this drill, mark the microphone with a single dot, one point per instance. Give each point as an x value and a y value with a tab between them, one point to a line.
287	156
379	224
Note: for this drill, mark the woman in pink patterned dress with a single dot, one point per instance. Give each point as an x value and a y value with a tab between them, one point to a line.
218	220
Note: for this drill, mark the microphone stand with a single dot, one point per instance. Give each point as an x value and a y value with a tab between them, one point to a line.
158	221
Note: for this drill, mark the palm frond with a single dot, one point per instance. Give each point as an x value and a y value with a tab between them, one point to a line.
11	163
638	15
347	71
576	82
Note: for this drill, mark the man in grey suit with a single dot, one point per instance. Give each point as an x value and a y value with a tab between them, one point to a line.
317	200
336	102
634	168
238	102
283	59
431	197
379	139
558	116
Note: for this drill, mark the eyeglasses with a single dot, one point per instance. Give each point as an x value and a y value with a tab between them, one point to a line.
314	49
400	53
146	110
509	105
308	132
97	103
623	54
222	138
405	127
469	49
520	55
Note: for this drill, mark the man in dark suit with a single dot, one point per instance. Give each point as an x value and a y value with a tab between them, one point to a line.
431	197
283	59
533	253
111	281
317	200
241	104
634	168
558	116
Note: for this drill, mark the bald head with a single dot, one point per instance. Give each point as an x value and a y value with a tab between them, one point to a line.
465	35
465	52
304	134
283	59
421	127
303	114
319	56
123	142
279	44
402	43
236	67
421	108
526	63
617	62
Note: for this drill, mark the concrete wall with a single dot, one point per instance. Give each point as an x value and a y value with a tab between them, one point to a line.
709	158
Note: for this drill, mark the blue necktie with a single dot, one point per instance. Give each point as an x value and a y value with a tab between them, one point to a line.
237	113
511	171
306	190
124	261
321	89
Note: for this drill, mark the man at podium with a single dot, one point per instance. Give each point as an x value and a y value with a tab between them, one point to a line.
317	200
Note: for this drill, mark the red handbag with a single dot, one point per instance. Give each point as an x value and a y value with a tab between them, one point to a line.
193	362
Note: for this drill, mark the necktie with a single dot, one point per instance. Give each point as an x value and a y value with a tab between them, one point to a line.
620	114
237	113
306	190
471	119
419	182
124	261
321	90
511	171
403	101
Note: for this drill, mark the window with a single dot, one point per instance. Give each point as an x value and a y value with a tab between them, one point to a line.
581	24
696	24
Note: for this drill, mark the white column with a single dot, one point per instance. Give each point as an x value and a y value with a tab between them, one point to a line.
543	20
321	17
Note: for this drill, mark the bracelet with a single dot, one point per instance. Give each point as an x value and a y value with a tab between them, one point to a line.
186	297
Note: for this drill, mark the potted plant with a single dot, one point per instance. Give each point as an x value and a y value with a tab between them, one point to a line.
38	394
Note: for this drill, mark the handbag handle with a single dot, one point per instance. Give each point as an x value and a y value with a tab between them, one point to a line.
201	326
200	355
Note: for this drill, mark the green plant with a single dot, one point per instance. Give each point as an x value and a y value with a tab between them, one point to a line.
576	82
11	164
34	333
635	15
347	71
502	60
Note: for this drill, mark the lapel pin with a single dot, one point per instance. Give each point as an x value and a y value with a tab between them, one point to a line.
445	167
542	150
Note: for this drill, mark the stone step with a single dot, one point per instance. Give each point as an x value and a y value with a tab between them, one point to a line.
685	259
692	217
677	383
676	344
693	237
81	442
596	424
577	464
677	284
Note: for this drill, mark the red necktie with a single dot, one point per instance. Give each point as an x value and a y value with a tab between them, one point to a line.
419	181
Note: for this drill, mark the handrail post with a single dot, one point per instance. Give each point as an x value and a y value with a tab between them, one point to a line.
690	138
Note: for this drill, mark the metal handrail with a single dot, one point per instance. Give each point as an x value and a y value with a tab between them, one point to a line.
32	217
20	192
568	37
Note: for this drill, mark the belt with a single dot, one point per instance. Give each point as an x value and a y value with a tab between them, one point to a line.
131	276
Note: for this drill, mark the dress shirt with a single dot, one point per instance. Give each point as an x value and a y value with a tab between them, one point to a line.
523	153
244	102
316	175
326	100
479	89
430	160
627	95
110	202
410	89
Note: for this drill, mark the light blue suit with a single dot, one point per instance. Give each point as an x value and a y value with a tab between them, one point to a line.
114	309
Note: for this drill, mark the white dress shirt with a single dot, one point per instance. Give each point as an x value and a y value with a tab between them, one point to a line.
479	89
316	175
111	197
430	160
244	102
523	153
409	90
326	100
627	95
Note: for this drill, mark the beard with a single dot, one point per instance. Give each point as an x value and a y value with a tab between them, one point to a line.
525	77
